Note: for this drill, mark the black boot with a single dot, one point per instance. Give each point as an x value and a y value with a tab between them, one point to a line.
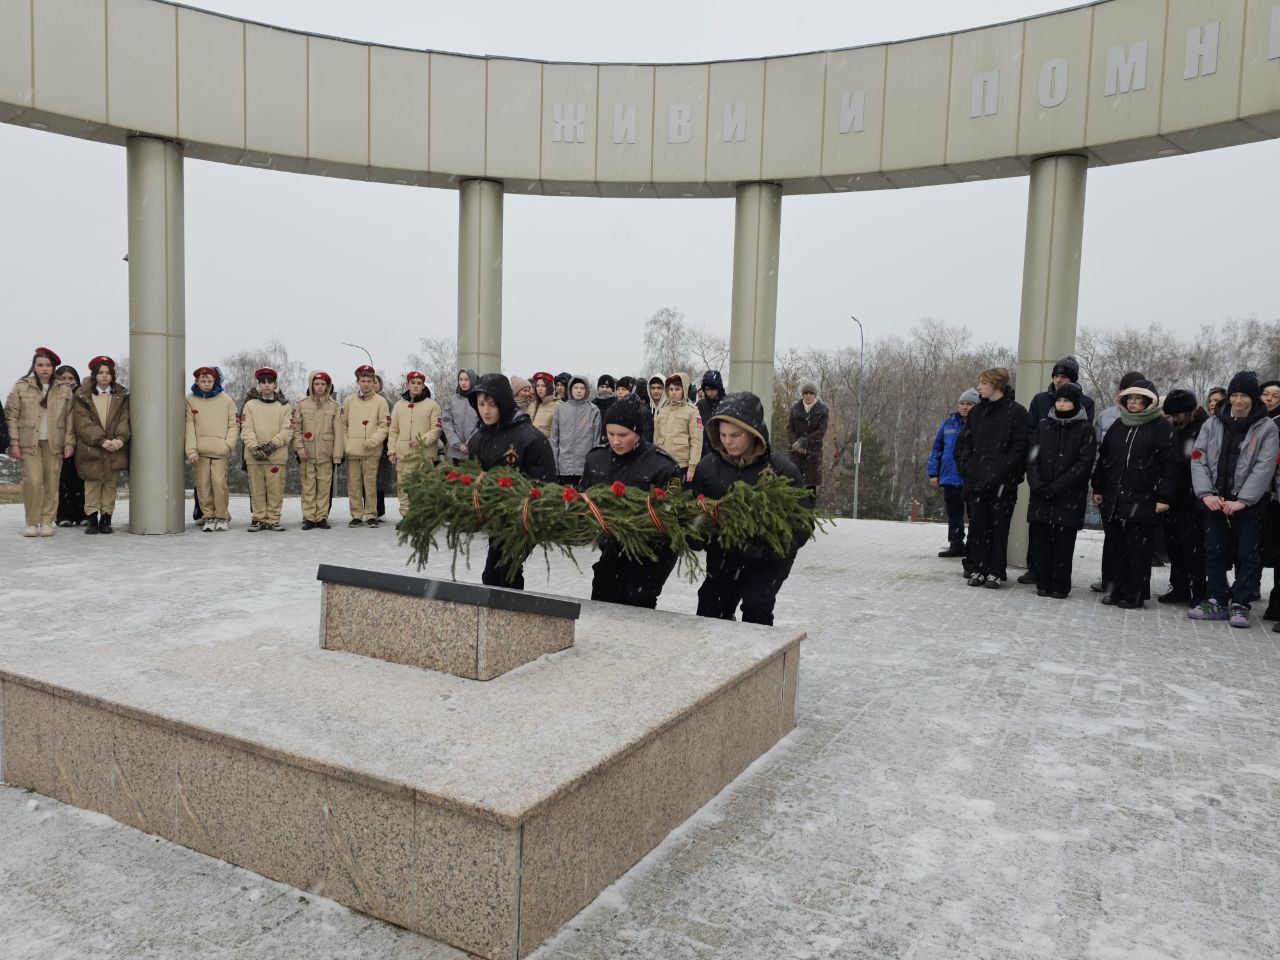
104	524
91	523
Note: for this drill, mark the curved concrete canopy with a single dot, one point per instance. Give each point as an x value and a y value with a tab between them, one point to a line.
1116	81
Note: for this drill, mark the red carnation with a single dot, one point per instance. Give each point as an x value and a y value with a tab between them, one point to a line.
465	479
411	406
1196	454
275	469
364	423
534	493
702	496
194	411
307	435
569	495
504	481
659	492
451	475
618	488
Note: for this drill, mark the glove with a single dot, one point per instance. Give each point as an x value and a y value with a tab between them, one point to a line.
268	448
258	453
798	447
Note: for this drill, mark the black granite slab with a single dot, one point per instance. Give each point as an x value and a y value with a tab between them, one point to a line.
477	595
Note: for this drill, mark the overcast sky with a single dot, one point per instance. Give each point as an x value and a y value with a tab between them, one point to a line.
316	261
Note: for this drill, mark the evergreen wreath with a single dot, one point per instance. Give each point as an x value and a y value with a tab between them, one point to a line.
518	514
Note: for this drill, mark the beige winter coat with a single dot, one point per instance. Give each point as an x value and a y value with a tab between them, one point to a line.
22	413
317	429
415	420
364	425
677	429
542	414
93	462
211	426
262	422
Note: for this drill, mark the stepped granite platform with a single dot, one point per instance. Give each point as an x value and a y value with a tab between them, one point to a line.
484	814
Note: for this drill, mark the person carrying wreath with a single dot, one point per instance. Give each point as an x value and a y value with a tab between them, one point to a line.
632	461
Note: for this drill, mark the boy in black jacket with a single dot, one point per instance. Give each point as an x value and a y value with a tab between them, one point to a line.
1058	469
1183	530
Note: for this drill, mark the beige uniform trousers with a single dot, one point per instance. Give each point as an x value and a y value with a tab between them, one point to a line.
211	487
317	483
362	487
41	469
100	495
403	469
266	491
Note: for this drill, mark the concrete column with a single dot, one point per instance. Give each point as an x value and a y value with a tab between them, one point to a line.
480	275
157	336
757	231
1050	291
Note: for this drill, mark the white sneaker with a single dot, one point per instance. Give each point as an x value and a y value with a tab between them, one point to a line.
222	523
208	525
31	530
46	529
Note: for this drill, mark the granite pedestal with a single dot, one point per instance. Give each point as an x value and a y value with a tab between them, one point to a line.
484	815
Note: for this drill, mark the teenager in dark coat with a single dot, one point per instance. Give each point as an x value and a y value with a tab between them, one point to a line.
629	459
806	428
1183	530
991	453
505	440
70	483
738	441
1058	469
1134	483
712	394
1270	396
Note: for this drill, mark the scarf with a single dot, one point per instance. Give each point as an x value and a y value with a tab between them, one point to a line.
1138	419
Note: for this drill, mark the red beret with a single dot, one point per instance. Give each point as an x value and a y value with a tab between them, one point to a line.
49	354
265	373
418	374
98	361
543	375
200	371
365	370
321	375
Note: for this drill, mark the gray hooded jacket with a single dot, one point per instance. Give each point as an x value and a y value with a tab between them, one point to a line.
575	430
459	419
1255	468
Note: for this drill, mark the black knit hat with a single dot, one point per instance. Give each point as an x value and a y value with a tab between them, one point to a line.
627	413
605	381
1268	383
1129	379
1246	382
627	383
1179	401
1067	367
1069	391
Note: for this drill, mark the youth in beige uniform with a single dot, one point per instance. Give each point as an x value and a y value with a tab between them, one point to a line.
415	431
318	441
38	415
543	408
364	427
101	418
266	426
677	428
212	432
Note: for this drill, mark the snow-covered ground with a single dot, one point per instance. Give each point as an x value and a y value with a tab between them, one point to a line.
975	773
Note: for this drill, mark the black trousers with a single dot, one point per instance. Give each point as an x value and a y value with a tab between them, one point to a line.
1126	559
733	579
495	575
1234	540
1184	537
1054	546
618	579
989	516
953	499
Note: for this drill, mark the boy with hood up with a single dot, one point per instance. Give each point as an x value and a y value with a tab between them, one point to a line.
364	427
458	418
739	450
712	393
212	431
415	432
678	427
266	428
504	439
319	442
575	430
1058	469
1233	467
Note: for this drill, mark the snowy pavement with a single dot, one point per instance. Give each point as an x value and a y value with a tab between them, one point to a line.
975	774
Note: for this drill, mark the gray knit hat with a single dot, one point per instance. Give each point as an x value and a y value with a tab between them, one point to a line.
969	396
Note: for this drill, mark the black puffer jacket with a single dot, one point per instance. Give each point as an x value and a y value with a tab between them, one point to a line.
806	430
1058	467
1184	442
646	466
1137	467
511	442
991	451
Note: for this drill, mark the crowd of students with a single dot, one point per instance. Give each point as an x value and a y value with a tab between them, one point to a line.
644	433
1201	479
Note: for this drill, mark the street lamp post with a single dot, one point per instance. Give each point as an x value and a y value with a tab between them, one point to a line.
857	440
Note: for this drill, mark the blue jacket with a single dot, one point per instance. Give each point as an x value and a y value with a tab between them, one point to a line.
942	461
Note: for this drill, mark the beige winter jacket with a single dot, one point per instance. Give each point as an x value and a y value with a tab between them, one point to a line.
415	420
542	414
317	429
364	425
212	430
677	429
22	413
261	423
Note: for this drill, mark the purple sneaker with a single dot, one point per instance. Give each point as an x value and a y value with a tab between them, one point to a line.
1239	615
1209	610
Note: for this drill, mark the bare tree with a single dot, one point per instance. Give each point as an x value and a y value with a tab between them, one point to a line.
667	342
438	359
709	351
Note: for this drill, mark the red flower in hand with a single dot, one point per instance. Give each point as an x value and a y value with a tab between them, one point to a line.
275	469
307	435
1196	454
504	481
569	495
659	492
465	479
364	423
451	475
534	493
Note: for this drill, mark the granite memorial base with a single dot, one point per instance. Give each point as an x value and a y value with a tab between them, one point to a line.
484	815
460	628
